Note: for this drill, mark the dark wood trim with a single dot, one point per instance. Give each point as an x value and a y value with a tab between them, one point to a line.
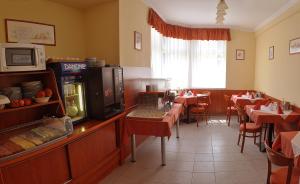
32	22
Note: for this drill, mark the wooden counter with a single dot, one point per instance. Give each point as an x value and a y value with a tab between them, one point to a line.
86	156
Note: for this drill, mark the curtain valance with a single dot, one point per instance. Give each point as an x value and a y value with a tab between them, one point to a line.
186	33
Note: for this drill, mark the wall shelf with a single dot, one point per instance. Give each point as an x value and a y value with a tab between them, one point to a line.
36	105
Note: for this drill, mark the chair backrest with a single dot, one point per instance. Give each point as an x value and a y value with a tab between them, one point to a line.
228	101
203	99
279	159
241	114
208	93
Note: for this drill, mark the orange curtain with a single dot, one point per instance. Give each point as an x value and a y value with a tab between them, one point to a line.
185	33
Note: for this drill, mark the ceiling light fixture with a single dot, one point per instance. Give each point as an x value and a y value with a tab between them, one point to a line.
221	12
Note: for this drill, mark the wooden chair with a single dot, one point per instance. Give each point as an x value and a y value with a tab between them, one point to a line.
283	175
201	109
247	128
230	108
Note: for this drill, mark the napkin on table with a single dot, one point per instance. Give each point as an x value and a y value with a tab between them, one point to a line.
279	110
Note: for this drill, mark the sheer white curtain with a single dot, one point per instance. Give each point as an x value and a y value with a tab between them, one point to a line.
189	64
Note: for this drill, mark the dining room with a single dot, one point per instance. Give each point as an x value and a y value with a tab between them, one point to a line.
232	65
149	91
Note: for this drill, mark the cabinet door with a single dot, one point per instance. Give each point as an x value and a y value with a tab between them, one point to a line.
92	149
49	168
1	178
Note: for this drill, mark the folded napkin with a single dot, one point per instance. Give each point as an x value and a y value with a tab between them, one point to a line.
267	102
279	110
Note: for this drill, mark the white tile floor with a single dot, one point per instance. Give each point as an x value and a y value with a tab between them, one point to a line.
204	155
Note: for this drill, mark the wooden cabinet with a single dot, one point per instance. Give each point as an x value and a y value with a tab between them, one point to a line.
92	149
49	168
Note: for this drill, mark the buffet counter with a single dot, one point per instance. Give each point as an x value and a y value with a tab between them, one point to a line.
78	158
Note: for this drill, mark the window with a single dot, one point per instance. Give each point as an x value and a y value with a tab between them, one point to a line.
189	64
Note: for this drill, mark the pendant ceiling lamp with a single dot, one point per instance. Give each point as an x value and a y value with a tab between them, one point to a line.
221	12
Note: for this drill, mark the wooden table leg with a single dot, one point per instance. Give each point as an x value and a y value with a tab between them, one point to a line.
163	151
177	128
188	114
133	148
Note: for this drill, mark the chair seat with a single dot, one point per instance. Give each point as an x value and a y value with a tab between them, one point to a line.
197	110
279	176
251	127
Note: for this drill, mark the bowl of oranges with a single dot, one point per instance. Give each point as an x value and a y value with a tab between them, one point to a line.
43	96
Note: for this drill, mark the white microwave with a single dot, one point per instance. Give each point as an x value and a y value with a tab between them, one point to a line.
17	57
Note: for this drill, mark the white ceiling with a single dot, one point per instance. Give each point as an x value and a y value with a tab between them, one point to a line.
242	14
82	4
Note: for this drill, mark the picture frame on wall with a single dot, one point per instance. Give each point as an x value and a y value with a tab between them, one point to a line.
295	46
240	54
30	32
271	53
137	40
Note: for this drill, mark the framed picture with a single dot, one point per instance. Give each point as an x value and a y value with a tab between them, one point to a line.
295	46
29	32
137	40
240	54
271	53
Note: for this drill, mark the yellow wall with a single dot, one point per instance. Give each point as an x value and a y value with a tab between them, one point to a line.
102	24
69	22
240	73
279	77
133	17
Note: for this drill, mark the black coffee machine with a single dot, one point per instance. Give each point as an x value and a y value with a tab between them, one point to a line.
105	92
71	85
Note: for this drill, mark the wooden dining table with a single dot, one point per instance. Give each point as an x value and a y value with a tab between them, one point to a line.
271	118
137	123
188	101
289	144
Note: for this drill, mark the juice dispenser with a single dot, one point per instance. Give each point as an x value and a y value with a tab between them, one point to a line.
69	76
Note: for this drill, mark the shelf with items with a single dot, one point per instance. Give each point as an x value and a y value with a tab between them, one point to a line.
36	105
35	111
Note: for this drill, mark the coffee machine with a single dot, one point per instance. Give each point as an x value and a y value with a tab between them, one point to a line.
71	85
105	91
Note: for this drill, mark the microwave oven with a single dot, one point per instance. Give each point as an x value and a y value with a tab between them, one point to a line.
17	57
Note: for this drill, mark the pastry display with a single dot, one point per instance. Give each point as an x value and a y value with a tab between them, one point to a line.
12	147
4	151
32	137
35	134
22	142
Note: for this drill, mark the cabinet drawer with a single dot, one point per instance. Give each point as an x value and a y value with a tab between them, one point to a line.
49	168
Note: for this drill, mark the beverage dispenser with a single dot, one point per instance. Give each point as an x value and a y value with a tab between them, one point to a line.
70	80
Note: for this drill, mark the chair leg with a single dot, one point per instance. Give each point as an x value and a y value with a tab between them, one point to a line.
265	133
254	137
229	117
238	143
260	135
206	118
243	143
